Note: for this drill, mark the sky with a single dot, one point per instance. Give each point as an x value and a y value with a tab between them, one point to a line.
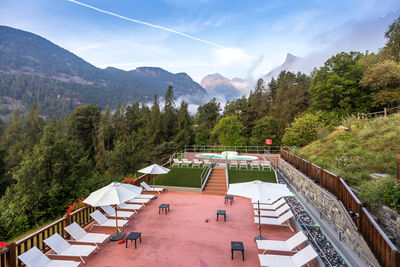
244	39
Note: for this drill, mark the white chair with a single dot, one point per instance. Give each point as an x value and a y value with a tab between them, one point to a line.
273	213
120	214
186	162
283	220
35	258
274	206
234	164
299	259
133	207
80	235
197	163
266	164
255	165
176	162
102	220
207	163
243	164
278	245
152	189
63	248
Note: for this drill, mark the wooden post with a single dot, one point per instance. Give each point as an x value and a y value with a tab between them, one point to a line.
358	116
395	258
12	255
66	222
398	167
384	112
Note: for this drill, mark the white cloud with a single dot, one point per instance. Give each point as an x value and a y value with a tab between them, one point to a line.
232	55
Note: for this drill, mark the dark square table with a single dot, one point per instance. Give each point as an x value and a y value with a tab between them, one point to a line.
163	207
229	198
236	245
133	236
221	212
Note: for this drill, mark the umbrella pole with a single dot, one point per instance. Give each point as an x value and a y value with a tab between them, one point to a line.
259	223
117	236
116	218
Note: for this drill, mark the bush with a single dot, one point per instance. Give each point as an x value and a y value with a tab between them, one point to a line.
302	131
377	192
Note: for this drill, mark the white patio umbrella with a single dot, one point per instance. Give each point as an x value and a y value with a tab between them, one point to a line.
261	191
113	194
154	169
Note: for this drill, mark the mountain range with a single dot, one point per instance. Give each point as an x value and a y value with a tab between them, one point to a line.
35	69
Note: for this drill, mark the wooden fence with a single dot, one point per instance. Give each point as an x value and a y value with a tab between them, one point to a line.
9	258
384	250
385	112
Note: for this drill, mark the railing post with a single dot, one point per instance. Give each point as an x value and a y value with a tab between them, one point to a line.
384	112
358	116
395	258
66	222
12	255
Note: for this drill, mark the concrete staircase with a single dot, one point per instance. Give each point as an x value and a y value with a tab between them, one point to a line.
216	184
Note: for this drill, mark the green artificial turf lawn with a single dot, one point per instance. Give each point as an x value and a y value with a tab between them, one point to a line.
240	176
180	176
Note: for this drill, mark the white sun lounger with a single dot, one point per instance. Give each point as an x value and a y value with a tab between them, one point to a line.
273	213
278	245
197	163
266	164
152	189
186	162
207	163
63	248
176	162
299	259
80	235
254	164
104	221
283	220
142	201
35	258
273	206
146	196
133	207
234	164
243	164
120	214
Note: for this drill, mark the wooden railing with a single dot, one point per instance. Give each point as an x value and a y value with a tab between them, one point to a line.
384	250
9	258
385	112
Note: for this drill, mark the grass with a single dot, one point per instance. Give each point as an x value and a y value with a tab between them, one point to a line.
180	176
240	176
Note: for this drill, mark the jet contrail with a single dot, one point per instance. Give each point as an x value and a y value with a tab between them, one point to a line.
146	23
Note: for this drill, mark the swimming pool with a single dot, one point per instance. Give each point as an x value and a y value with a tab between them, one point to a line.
220	156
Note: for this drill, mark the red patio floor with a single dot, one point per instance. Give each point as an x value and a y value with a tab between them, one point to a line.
182	237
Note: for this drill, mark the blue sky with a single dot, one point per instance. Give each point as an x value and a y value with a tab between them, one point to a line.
251	37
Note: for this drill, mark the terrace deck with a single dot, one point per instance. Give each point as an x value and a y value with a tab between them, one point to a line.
182	237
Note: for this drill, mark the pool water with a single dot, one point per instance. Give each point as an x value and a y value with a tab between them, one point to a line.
219	156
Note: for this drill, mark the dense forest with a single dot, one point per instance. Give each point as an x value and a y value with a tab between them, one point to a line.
46	165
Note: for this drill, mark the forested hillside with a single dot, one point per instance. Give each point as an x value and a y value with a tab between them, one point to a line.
32	69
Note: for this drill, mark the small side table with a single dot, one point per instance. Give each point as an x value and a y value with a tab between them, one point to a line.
221	212
229	198
133	236
163	207
235	245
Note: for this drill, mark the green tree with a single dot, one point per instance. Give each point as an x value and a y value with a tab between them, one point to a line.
13	141
384	80
154	126
228	132
104	140
184	130
208	114
393	40
169	115
335	86
265	128
33	126
302	131
133	117
119	122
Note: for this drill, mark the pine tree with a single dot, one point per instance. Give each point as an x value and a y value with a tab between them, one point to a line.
33	126
169	116
184	131
119	121
154	125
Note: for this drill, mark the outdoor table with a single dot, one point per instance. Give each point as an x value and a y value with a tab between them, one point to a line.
163	207
133	236
221	212
229	198
235	245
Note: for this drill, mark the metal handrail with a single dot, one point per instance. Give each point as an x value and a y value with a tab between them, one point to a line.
205	174
226	175
240	149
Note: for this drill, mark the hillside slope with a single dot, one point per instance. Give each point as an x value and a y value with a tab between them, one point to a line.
357	150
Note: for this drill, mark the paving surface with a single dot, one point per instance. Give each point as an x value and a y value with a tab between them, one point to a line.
182	237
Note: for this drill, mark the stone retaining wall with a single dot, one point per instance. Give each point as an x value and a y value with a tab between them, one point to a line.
331	210
390	219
